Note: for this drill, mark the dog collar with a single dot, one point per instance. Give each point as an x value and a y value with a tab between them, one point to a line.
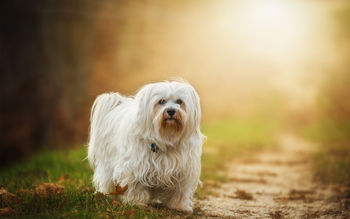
154	148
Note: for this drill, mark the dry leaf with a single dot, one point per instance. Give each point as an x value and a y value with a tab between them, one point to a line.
129	213
5	192
115	203
63	178
119	190
46	189
6	211
6	196
87	189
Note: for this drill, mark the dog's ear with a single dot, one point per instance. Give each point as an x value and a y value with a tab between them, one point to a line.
143	98
195	110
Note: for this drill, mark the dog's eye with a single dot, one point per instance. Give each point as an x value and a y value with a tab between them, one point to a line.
162	101
179	101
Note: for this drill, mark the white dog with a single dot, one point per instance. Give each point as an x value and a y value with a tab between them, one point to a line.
151	143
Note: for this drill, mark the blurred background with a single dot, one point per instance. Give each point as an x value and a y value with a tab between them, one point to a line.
285	62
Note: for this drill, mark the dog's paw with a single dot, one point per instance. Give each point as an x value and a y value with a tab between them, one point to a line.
137	195
181	207
186	208
140	203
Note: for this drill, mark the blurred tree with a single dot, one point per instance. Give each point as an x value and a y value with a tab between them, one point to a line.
44	66
334	97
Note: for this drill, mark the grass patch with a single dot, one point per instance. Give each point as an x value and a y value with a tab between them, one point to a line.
332	160
78	200
68	168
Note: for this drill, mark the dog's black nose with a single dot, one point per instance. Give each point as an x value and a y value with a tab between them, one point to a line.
171	111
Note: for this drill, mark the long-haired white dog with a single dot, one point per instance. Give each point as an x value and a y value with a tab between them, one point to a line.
151	143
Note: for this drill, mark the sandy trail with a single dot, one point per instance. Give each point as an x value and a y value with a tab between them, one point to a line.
276	184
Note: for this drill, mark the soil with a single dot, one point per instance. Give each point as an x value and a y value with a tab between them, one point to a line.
276	184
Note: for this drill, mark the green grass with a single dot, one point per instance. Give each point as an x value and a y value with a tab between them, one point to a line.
49	166
226	140
78	199
332	160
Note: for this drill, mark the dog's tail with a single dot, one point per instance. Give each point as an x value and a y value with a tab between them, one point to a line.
103	104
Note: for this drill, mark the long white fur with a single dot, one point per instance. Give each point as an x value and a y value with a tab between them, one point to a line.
122	130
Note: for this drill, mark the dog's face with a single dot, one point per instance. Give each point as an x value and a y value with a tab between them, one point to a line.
169	114
170	110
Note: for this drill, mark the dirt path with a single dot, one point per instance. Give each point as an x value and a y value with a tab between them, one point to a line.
276	184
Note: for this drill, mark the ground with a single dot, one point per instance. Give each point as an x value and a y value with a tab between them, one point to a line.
246	173
276	184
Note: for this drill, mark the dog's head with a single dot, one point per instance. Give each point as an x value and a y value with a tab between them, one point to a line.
168	111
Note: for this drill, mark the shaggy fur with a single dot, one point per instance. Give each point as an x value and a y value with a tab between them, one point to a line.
122	130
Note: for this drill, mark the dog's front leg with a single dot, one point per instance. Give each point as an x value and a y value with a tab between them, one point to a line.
137	194
181	200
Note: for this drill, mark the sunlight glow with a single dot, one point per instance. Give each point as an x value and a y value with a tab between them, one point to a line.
271	14
273	28
268	28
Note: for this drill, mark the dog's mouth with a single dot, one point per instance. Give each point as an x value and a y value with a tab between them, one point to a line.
172	124
170	119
